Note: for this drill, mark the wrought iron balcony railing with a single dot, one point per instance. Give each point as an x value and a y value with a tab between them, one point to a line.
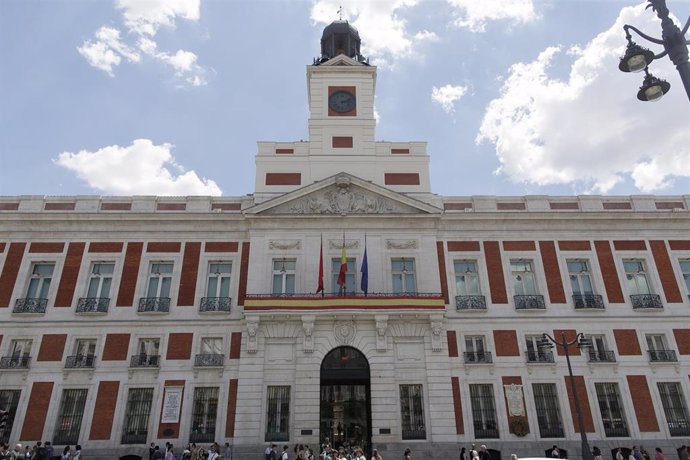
662	356
134	438
221	304
409	433
208	360
618	430
93	304
602	356
545	357
470	302
15	362
490	433
646	301
30	305
679	427
80	362
144	361
529	302
330	295
202	437
154	305
478	357
551	432
588	302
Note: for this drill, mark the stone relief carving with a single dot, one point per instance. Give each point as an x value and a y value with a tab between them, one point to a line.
292	244
338	244
308	328
381	329
401	244
252	328
514	399
344	332
436	331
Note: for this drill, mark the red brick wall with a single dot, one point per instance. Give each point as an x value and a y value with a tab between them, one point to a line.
574	245
106	247
617	205
442	274
559	206
52	347
642	402
244	269
190	269
235	345
584	404
608	272
163	247
460	246
665	269
519	246
452	344
400	151
401	178
104	412
10	270
9	206
172	429
232	408
116	206
180	345
116	347
497	284
457	405
506	343
510	206
554	283
341	142
130	273
682	340
679	245
569	336
283	179
221	246
507	380
285	151
626	342
171	206
46	248
629	245
70	273
59	206
36	411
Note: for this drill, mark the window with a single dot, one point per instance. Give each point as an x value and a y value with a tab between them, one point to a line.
350	281
39	284
475	351
658	348
403	276
535	353
70	414
211	353
284	276
685	268
147	353
100	280
675	410
548	410
466	279
523	277
9	401
19	355
599	351
204	414
636	277
84	353
160	280
483	411
412	412
611	408
580	278
277	413
219	279
137	412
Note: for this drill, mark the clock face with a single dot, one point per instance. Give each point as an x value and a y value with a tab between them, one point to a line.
341	101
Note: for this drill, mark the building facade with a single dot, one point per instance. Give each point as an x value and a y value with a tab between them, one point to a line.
128	320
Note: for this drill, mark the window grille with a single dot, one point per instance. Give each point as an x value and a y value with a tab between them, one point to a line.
674	408
611	408
204	414
9	401
137	412
535	353
69	418
483	411
277	413
548	410
412	412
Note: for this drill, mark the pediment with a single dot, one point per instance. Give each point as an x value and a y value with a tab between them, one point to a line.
341	60
342	195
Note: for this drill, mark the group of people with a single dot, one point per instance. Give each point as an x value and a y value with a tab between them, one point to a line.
38	451
192	451
640	453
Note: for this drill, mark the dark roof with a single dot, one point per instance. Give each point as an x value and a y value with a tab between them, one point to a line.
340	26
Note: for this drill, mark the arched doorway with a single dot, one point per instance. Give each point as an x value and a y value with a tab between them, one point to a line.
345	399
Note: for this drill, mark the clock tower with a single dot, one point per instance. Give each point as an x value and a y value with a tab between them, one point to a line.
341	87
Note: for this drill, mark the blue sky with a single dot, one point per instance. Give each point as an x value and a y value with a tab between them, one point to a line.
168	97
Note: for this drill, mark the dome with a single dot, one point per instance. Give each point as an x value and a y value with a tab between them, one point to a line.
340	37
341	26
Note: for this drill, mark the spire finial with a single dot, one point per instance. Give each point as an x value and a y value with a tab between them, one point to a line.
340	12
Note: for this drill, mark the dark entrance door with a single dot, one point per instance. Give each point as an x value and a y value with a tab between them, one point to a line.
345	400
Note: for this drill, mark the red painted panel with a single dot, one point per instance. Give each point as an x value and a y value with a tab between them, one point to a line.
190	269
116	347
629	245
163	247
497	284
460	246
116	206
574	246
519	246
285	151
570	334
232	408
608	272
52	347
59	206
104	412
642	402
10	270
47	248
9	206
564	206
509	380
510	206
626	342
171	206
584	404
106	247
612	205
36	411
457	405
221	246
244	269
665	270
669	205
552	271
679	245
682	340
452	344
227	206
442	274
457	206
401	178
400	151
283	178
179	345
70	273
506	343
235	345
342	142
130	273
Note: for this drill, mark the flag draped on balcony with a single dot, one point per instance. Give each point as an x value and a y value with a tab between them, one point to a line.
319	288
343	266
365	270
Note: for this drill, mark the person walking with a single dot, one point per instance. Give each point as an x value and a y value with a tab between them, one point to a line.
66	453
596	453
463	454
659	455
77	453
407	455
375	455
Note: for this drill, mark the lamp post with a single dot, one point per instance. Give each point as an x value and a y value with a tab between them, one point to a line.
637	58
580	341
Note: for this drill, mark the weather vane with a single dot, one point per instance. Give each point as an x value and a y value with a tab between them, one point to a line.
340	12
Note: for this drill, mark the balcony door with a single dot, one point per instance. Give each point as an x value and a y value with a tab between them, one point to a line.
345	399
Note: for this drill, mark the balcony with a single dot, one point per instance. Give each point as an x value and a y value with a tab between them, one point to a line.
134	438
202	437
662	356
646	302
154	305
412	433
487	432
93	304
588	302
215	304
615	430
602	356
15	362
679	427
551	432
80	362
145	361
334	301
30	305
529	302
470	302
208	360
478	357
539	357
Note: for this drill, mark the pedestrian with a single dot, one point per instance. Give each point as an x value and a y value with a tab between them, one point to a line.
555	453
659	454
284	455
66	453
213	453
683	453
228	451
375	455
513	457
475	455
596	453
27	453
152	449
157	453
49	450
169	452
484	453
4	451
408	454
463	454
77	453
645	454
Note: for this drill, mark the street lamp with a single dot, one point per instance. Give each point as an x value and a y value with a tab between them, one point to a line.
637	58
580	341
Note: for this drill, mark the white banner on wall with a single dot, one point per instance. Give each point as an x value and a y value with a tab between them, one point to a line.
172	402
514	399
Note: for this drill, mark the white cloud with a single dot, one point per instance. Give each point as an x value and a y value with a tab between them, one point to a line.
146	17
446	96
183	62
142	168
107	50
475	14
589	130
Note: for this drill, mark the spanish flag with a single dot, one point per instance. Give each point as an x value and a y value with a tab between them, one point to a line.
343	266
